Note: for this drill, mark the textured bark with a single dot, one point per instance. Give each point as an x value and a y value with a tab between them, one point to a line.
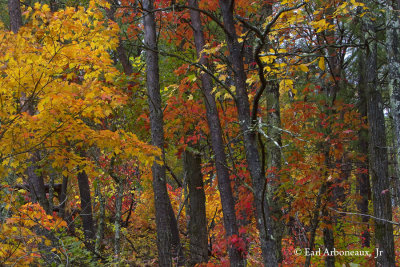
274	163
378	155
121	51
53	5
86	209
100	226
168	247
393	63
36	184
315	222
51	190
224	186
118	215
14	10
264	220
62	197
197	209
363	183
329	243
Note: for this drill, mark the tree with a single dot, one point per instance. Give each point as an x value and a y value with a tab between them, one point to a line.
378	153
214	124
167	234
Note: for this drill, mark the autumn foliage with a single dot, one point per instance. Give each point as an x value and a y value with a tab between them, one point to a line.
70	111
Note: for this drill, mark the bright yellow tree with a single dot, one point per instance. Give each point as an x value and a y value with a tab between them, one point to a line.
57	85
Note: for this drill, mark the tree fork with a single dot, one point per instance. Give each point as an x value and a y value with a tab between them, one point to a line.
224	185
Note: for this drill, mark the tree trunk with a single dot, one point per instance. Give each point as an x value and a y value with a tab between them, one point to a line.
100	226
378	155
118	215
393	62
197	209
264	220
121	52
63	197
224	185
167	249
86	209
36	183
274	163
363	182
14	10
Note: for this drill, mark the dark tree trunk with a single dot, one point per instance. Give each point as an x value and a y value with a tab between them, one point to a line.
100	225
36	183
378	155
224	185
329	241
14	10
62	197
121	52
363	182
197	209
118	218
274	163
264	219
53	5
393	61
168	246
86	209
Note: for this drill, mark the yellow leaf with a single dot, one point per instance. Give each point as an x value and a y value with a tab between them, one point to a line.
321	63
303	68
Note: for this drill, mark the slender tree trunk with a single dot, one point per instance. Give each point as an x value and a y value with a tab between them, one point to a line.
378	154
167	248
14	10
197	209
274	163
315	221
63	197
264	220
51	191
86	209
393	62
363	182
36	183
224	184
121	52
100	226
118	215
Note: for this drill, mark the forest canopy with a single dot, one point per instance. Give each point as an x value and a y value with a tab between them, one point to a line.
199	133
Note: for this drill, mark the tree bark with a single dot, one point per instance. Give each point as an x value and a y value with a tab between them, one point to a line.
14	10
100	226
36	183
264	219
363	182
393	63
118	215
378	154
62	197
197	209
86	209
274	163
121	51
214	124
168	246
